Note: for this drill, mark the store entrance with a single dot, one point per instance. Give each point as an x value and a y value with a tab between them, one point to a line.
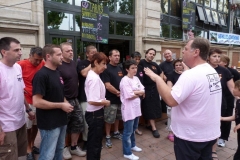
122	45
79	47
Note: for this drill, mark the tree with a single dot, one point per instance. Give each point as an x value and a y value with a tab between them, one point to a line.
55	18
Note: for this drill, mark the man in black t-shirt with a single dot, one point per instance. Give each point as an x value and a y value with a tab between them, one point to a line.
167	68
75	124
151	106
52	107
167	65
83	67
111	78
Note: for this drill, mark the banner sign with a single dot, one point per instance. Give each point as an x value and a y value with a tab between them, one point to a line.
188	15
95	22
224	38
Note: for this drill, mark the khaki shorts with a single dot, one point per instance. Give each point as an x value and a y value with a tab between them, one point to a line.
112	112
30	123
15	144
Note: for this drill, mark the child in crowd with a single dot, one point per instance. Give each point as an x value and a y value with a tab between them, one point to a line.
130	91
236	117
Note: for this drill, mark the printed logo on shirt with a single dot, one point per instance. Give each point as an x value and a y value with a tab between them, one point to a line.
120	74
214	82
61	80
154	68
141	74
19	77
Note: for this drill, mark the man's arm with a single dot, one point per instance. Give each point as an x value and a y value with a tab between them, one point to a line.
29	111
2	135
84	72
39	102
112	89
163	89
230	85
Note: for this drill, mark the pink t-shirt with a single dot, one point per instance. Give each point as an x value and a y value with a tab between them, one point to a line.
131	107
198	92
12	109
95	90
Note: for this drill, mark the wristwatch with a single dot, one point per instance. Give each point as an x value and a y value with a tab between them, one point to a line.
28	110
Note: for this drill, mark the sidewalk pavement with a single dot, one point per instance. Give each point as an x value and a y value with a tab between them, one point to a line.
155	148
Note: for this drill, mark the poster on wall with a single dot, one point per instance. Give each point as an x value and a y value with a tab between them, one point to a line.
224	38
188	15
95	22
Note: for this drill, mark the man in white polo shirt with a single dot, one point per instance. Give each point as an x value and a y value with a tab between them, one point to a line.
196	102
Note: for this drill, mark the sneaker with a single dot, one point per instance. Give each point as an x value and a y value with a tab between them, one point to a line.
221	142
84	148
137	149
132	157
108	143
78	152
35	150
30	156
117	135
66	153
155	134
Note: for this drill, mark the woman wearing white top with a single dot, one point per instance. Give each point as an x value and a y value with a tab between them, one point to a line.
95	93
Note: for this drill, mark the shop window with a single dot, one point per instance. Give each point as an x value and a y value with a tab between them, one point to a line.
209	16
59	20
225	9
220	5
63	1
77	22
215	17
201	13
125	7
199	1
111	26
176	32
214	4
110	5
124	28
164	6
166	30
176	8
207	3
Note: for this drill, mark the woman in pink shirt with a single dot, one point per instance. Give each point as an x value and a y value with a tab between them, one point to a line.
95	93
130	91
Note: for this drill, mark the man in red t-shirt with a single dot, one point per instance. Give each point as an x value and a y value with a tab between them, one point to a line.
29	68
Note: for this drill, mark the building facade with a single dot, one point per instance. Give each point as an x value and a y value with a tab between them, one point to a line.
24	21
133	25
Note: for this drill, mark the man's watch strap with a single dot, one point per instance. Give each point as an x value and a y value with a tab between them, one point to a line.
28	110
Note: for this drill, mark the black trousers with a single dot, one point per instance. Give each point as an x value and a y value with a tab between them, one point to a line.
187	150
237	154
225	125
95	121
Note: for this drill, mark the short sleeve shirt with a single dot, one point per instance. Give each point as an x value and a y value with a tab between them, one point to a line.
49	84
154	67
198	93
167	67
113	75
12	108
173	77
81	79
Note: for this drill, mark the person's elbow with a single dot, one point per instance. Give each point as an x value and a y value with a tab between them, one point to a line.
36	102
171	103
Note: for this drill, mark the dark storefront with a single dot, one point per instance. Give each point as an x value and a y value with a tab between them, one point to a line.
63	19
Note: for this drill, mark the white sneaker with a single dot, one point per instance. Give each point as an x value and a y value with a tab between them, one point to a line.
132	157
137	149
221	143
66	153
78	152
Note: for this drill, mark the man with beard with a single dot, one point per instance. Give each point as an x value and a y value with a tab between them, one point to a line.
151	106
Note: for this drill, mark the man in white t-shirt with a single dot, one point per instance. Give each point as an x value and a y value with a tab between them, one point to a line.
196	102
13	137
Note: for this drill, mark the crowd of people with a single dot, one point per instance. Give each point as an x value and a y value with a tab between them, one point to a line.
63	99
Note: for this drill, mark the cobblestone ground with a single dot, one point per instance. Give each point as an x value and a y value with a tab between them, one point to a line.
154	148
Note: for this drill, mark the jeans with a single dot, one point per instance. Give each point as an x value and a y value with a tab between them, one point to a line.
52	144
128	139
95	121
